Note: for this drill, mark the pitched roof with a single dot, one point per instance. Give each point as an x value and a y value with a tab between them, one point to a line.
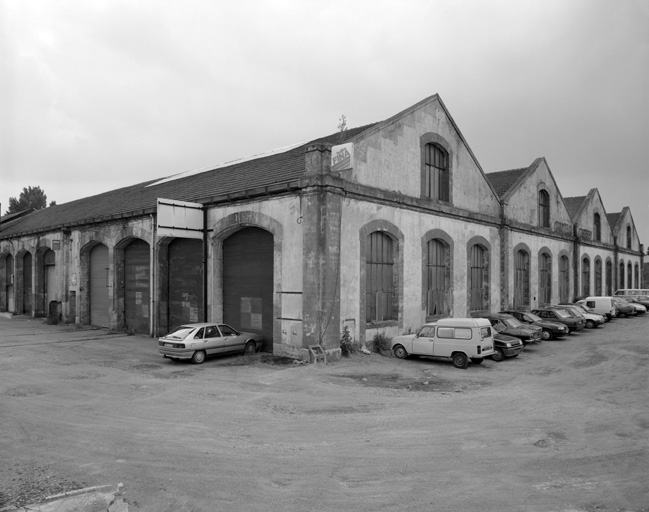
503	181
573	204
276	169
613	219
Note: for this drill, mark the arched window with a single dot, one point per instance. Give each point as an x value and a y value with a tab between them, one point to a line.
544	209
628	237
437	278
597	227
545	279
638	284
598	277
436	179
521	279
585	277
609	278
621	275
629	276
379	274
478	278
564	279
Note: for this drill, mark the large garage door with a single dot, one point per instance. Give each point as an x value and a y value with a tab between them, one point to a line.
248	282
9	279
136	286
185	282
27	284
99	276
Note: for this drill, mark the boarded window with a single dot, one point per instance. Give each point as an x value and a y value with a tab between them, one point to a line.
609	278
437	268
379	274
621	275
478	291
436	173
585	277
598	277
545	279
564	279
521	279
629	276
544	209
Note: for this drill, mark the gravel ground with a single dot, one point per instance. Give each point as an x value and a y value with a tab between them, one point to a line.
564	427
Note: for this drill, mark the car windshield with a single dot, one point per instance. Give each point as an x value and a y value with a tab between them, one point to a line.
532	317
513	322
562	313
180	333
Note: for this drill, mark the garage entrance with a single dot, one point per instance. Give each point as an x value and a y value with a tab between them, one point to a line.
248	282
137	294
185	283
99	283
27	284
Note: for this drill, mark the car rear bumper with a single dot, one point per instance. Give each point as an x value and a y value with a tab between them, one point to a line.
176	353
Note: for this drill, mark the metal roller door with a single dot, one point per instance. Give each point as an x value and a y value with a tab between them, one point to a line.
185	282
248	282
99	282
136	286
27	284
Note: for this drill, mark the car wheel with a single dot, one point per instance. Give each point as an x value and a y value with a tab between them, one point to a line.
590	324
250	349
198	357
477	360
400	352
460	360
498	355
546	334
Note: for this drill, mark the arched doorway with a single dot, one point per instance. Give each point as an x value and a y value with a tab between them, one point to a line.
9	284
137	279
521	279
49	279
99	286
27	284
185	282
248	282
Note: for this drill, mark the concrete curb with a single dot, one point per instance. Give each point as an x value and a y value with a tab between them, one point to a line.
89	499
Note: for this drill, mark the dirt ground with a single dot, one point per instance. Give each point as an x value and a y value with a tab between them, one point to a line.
564	427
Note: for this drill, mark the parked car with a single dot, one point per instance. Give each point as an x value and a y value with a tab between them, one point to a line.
549	329
639	308
460	339
506	346
640	299
623	308
561	315
593	320
507	324
604	306
197	341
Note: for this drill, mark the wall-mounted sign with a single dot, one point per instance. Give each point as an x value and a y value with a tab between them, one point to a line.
180	219
342	157
56	245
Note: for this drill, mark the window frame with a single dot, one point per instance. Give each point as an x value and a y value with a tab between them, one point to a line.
544	208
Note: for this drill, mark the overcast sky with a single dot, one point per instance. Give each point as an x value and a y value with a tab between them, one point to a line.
95	95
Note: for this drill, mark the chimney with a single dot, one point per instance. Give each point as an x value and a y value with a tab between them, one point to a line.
317	159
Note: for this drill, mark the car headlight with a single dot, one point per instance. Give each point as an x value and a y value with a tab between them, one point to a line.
509	345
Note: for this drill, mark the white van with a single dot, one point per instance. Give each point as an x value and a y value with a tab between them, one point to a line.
460	339
601	305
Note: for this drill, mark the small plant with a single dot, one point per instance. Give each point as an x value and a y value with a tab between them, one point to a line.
347	345
381	343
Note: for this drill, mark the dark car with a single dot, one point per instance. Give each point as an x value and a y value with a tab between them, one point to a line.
506	346
623	308
507	324
549	329
561	315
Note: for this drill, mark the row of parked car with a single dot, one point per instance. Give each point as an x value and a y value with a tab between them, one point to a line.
501	335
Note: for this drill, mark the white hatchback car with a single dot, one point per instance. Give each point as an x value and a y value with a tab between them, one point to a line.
197	341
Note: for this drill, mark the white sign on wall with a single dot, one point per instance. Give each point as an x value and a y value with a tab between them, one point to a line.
180	219
342	157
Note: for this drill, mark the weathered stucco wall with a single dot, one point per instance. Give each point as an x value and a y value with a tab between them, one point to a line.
414	226
391	159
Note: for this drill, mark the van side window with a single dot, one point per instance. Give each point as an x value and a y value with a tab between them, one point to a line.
590	303
445	332
463	333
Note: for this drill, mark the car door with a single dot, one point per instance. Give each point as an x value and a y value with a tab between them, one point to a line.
423	343
212	340
232	340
